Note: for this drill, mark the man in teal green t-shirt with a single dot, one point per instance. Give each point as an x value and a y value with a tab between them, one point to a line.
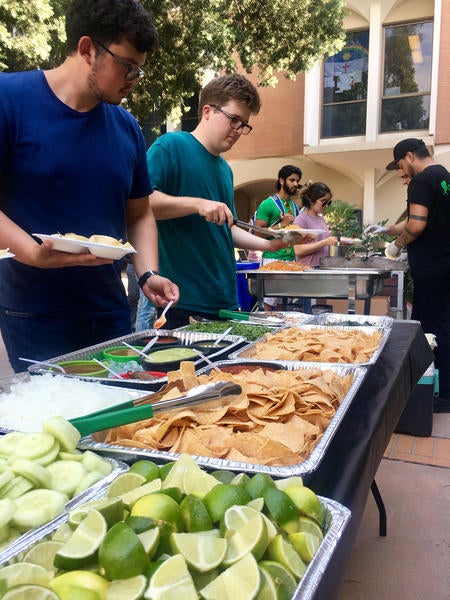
193	201
278	211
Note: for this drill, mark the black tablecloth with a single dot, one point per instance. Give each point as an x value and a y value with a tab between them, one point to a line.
351	461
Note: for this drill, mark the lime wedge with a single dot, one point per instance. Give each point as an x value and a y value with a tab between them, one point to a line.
282	577
129	589
80	548
82	585
121	554
22	572
30	592
202	552
282	551
306	544
250	537
236	516
43	554
172	580
124	483
242	580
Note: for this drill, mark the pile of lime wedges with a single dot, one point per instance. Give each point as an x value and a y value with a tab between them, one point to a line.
178	532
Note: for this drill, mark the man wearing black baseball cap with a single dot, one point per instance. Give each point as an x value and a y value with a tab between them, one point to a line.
426	234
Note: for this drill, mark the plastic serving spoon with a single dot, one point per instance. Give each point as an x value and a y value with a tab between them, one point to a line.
161	320
289	236
44	364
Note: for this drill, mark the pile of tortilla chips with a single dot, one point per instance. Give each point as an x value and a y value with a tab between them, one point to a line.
277	420
351	346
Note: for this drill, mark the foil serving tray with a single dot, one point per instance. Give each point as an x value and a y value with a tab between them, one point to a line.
249	351
130	454
336	520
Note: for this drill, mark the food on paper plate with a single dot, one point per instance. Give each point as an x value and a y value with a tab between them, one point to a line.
277	419
284	265
109	241
183	535
4	251
317	345
76	236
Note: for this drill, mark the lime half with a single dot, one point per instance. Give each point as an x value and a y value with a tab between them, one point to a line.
242	580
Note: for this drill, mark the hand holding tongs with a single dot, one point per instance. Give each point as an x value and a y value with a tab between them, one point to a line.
141	408
290	236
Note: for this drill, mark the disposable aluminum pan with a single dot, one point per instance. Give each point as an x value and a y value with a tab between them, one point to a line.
30	537
337	517
249	351
185	337
358	320
130	454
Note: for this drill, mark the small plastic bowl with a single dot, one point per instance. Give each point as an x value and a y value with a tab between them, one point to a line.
168	359
122	354
83	368
207	346
163	340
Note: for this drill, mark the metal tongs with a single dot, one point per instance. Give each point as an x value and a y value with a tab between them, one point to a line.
209	394
290	236
259	319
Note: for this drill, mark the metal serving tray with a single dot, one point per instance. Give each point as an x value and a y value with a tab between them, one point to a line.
186	337
130	454
249	351
28	538
317	283
337	517
359	320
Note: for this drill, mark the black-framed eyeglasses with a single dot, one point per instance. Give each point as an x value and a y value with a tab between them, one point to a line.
131	71
236	123
325	203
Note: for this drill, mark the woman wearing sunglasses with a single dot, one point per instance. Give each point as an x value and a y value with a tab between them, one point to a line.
315	198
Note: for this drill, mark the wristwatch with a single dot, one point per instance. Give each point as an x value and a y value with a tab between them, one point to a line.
143	278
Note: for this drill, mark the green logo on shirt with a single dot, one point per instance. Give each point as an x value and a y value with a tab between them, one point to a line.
445	186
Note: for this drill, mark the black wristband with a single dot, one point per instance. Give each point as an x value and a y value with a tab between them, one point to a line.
143	278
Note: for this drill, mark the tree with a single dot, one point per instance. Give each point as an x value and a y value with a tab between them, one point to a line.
266	36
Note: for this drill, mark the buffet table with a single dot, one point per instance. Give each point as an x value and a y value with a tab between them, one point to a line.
349	466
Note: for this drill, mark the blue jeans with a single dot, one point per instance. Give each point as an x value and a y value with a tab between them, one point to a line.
146	313
40	337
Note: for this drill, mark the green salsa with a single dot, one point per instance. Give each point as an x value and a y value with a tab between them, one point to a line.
171	354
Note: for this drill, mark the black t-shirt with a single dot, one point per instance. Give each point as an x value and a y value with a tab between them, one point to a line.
430	253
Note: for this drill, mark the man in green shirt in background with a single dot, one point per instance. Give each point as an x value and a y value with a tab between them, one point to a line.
278	211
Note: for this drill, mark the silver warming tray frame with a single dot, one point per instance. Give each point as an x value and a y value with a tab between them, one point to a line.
337	518
186	337
248	351
353	284
130	454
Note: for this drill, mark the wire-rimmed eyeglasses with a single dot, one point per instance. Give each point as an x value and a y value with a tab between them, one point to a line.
236	123
131	71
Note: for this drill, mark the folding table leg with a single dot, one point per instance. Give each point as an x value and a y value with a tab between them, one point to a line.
381	508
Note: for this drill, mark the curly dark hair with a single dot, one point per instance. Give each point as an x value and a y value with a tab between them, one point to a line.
221	90
311	192
110	21
286	172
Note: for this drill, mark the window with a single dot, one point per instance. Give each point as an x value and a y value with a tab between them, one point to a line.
344	100
407	77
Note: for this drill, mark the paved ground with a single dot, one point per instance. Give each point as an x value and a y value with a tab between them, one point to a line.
413	561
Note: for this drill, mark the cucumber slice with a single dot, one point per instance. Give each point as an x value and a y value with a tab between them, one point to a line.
66	475
75	455
38	475
49	457
37	507
16	487
4	532
62	430
5	478
34	445
7	508
93	462
88	480
9	441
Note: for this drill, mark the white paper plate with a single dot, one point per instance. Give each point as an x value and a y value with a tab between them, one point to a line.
64	244
7	255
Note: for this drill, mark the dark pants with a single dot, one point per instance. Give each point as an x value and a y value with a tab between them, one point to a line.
431	306
40	337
